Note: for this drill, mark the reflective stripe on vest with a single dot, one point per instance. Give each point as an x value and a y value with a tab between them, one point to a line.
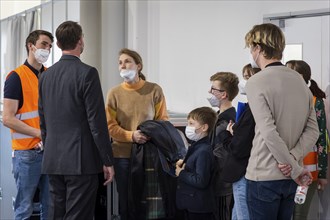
24	116
27	115
311	168
16	136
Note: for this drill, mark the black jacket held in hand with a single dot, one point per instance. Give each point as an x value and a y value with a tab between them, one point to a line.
166	146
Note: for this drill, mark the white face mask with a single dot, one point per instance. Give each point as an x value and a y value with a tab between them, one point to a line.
128	75
241	86
214	101
41	55
254	62
192	135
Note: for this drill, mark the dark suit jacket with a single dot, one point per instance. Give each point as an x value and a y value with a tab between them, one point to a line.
238	147
195	189
72	119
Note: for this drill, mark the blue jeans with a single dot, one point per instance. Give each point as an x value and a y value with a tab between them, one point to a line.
28	177
240	210
271	200
122	166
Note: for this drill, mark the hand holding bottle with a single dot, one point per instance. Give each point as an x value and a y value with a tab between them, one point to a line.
301	191
305	178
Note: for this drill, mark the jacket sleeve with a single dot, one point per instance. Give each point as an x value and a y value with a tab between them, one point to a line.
94	104
199	178
239	145
321	142
41	113
308	137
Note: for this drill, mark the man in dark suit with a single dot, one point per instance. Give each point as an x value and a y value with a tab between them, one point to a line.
73	128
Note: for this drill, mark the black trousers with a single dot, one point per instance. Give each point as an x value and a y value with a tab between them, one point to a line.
198	216
72	196
224	207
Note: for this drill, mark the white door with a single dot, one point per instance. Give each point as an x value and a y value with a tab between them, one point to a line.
313	34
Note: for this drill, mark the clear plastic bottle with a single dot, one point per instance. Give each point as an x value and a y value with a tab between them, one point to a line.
301	191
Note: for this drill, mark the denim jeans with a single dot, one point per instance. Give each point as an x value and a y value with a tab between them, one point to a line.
271	199
240	210
122	166
28	177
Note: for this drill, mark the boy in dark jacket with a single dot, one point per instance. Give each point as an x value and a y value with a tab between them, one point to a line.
195	193
224	88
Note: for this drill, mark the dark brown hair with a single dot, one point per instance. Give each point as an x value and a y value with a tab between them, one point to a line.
304	69
34	36
68	34
204	115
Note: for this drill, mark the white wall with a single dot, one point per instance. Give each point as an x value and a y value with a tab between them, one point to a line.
113	39
188	41
12	7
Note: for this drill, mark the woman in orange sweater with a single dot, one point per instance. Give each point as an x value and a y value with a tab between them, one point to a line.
132	102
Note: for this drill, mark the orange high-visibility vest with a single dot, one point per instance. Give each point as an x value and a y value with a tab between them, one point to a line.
311	159
28	113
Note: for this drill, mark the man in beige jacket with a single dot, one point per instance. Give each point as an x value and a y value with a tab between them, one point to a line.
286	127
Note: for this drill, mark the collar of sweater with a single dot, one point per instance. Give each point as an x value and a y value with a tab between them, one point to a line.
134	86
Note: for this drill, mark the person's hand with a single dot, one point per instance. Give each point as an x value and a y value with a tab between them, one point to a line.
305	178
230	127
321	183
179	163
139	137
109	173
178	169
285	169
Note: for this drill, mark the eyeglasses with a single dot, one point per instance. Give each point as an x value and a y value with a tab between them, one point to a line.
219	90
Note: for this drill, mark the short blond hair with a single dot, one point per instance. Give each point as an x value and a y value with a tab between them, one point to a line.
269	37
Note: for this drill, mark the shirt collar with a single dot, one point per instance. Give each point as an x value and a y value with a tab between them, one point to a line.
35	71
274	64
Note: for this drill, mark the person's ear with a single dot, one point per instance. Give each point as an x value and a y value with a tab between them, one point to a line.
58	44
30	46
80	42
139	66
205	127
224	95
